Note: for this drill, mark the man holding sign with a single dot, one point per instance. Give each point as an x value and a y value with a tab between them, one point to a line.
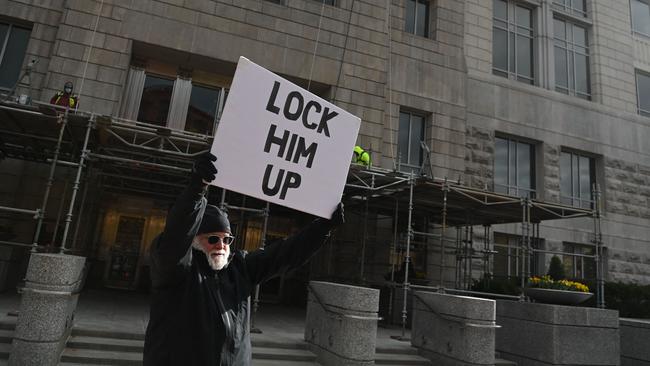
297	148
200	289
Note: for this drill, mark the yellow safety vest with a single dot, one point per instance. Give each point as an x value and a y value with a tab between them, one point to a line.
361	156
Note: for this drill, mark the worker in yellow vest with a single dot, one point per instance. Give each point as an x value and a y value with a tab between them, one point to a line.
361	156
65	98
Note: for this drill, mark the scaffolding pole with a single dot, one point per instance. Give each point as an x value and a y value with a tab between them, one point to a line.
392	266
598	241
256	298
77	182
445	190
63	121
407	260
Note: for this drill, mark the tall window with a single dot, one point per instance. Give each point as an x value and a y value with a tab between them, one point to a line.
514	168
640	10
156	96
576	7
512	47
577	176
205	109
13	44
580	265
327	2
643	93
417	17
411	134
571	59
507	256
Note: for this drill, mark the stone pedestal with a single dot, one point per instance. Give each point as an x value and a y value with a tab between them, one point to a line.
539	334
341	324
47	308
635	342
453	330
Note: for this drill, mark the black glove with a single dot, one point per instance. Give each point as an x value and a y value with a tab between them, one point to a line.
204	170
338	217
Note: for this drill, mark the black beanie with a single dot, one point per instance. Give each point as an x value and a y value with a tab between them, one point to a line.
214	220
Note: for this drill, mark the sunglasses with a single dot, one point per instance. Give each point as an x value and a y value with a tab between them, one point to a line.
214	239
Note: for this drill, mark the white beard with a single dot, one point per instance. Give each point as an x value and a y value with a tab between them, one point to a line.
217	262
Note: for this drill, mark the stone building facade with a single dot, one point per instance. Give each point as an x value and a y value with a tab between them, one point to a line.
432	66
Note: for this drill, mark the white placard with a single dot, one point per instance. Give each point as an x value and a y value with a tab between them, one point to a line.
282	144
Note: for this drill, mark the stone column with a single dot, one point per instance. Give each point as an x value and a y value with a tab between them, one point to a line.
453	330
341	324
47	308
540	334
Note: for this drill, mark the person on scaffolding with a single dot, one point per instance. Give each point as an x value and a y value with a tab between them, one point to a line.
65	98
360	156
199	310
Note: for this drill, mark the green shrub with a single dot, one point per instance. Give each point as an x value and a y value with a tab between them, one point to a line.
502	286
556	269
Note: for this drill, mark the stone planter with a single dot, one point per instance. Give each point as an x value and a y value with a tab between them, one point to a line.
558	297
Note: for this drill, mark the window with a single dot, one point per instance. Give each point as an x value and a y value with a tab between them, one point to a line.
411	135
205	109
579	262
643	93
417	17
571	59
507	256
576	7
156	97
577	176
640	10
326	2
514	168
512	47
13	44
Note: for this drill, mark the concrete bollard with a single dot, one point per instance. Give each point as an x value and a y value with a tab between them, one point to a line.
540	334
341	324
453	330
47	307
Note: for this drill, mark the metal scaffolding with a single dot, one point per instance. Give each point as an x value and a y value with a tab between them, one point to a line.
452	205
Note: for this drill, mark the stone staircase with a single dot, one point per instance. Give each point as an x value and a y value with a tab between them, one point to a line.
95	347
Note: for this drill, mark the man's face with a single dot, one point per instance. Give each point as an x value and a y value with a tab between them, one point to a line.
215	246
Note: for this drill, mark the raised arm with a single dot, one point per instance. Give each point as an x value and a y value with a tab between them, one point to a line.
183	220
292	252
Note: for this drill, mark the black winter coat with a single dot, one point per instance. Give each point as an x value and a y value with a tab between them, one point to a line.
199	316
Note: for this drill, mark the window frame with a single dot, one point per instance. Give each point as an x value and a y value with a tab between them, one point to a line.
639	110
632	23
5	43
512	28
408	164
570	49
574	252
532	191
427	19
561	5
159	76
223	95
578	201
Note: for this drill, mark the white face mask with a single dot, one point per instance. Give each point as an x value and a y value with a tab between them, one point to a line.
68	90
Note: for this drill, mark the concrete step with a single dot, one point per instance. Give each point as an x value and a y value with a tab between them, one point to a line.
6	336
87	332
7	325
502	362
400	359
100	357
283	363
5	349
266	353
405	350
